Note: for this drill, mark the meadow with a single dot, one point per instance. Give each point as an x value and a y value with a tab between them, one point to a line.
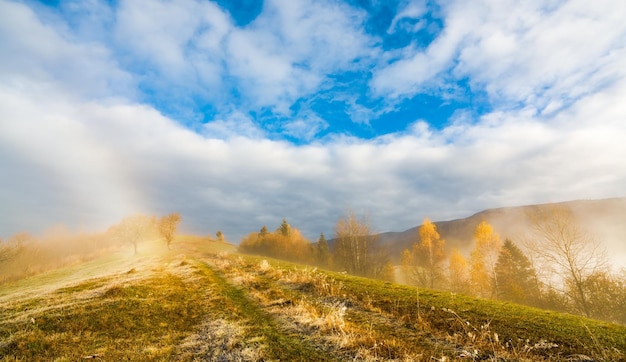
202	301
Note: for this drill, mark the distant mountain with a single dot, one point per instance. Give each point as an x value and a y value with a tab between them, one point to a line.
604	220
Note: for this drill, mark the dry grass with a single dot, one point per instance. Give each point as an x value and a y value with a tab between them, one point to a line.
360	319
194	304
219	340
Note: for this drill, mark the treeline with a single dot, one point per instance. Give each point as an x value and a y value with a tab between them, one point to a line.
355	249
24	254
558	266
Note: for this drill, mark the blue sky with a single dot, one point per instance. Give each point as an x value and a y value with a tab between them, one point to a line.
335	96
240	113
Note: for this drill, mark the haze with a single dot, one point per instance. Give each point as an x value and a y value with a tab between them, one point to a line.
237	117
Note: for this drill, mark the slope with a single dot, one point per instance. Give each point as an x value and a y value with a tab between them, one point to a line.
201	302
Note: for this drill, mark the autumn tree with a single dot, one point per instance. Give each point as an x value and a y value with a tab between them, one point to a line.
483	259
424	261
458	273
167	226
8	250
285	242
568	251
5	251
134	229
355	249
517	280
607	296
219	235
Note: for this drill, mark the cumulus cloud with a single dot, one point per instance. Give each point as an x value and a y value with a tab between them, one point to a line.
413	10
543	55
305	126
289	50
105	161
82	147
39	57
233	124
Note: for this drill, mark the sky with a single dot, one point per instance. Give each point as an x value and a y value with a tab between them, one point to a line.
240	113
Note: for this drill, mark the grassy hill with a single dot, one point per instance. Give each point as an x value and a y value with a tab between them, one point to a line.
201	301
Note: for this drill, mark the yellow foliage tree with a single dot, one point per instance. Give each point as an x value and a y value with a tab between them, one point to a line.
424	260
458	275
483	260
284	243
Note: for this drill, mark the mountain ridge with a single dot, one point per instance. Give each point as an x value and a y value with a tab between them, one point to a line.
602	219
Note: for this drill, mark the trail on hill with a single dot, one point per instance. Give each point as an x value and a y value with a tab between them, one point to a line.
213	306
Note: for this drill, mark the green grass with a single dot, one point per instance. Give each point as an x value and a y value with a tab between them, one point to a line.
518	325
281	345
198	302
135	321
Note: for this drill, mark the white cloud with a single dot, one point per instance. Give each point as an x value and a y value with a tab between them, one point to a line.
175	49
413	9
43	59
538	55
234	124
111	159
305	126
78	154
287	52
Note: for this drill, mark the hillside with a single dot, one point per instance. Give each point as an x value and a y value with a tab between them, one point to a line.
602	219
202	302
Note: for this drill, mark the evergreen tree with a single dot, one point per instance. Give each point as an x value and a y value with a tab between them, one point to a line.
323	252
220	235
284	229
517	281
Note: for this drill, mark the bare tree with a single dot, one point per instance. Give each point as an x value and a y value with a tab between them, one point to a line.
167	227
134	229
356	248
568	251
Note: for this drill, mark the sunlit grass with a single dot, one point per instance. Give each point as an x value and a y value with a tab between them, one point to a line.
140	319
377	320
198	302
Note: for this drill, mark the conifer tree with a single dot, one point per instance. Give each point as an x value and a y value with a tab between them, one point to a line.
284	229
517	281
323	252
